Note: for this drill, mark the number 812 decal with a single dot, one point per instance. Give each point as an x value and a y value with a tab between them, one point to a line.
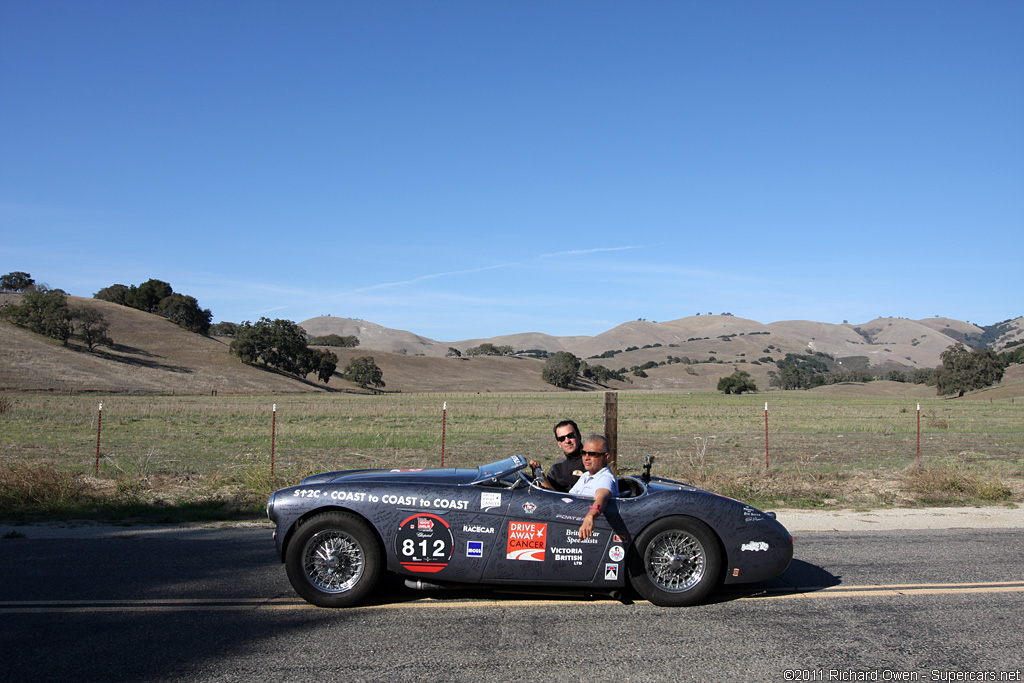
424	543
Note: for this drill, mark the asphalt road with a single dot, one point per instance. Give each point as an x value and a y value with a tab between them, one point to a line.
215	605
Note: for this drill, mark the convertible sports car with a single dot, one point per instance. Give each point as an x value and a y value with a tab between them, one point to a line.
337	532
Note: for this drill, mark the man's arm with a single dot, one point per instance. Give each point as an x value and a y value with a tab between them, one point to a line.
558	477
600	502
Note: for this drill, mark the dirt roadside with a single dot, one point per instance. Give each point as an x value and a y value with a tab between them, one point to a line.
797	521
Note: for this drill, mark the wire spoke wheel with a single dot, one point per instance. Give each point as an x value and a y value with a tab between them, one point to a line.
675	561
333	561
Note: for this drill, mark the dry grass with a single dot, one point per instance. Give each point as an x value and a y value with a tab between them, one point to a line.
168	456
39	487
955	485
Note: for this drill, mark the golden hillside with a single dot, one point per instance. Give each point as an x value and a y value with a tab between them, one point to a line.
152	355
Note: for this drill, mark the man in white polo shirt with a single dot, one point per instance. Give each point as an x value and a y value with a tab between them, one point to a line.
597	482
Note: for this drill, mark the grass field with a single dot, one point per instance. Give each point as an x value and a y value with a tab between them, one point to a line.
174	457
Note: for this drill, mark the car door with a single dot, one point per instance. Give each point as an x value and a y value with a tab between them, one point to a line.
540	539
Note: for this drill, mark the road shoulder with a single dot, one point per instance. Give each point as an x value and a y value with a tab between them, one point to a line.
995	517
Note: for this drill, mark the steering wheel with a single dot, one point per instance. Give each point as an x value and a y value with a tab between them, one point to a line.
538	475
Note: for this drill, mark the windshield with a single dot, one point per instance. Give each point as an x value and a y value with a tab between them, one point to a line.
496	470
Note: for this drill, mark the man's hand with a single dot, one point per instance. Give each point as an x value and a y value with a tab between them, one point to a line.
587	528
540	480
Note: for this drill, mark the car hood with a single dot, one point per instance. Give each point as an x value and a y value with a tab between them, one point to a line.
454	475
432	476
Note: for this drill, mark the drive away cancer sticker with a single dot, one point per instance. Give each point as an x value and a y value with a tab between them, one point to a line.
424	543
527	541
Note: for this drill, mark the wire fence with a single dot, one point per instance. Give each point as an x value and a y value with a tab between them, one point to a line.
778	430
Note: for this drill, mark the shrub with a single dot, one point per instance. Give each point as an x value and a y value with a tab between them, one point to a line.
737	383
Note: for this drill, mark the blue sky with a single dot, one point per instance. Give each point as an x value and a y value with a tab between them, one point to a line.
470	169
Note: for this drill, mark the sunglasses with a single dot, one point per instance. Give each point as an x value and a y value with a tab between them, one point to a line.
594	454
560	439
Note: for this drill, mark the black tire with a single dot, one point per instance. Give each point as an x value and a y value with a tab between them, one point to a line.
675	561
333	560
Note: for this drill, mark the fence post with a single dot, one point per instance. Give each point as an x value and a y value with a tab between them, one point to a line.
99	430
919	435
766	435
444	424
611	427
273	438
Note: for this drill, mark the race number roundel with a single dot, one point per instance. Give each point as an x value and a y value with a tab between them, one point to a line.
424	543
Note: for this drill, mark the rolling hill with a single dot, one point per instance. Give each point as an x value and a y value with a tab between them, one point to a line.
886	343
152	355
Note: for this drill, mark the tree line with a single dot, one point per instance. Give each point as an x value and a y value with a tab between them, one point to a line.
962	370
46	311
278	344
284	346
158	297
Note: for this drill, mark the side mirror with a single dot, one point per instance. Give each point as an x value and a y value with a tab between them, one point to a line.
648	461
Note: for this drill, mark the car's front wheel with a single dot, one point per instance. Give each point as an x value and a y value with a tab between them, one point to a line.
675	562
333	560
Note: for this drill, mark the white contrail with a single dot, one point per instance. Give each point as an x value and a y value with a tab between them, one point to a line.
580	252
432	276
421	278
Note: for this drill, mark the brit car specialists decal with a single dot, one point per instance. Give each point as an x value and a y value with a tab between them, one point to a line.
573	536
527	541
424	543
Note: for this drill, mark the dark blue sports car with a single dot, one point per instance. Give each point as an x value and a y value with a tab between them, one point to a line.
338	532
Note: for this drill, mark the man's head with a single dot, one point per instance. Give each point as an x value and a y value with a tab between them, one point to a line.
568	436
595	453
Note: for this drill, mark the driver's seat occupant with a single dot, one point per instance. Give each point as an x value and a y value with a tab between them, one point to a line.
564	473
597	482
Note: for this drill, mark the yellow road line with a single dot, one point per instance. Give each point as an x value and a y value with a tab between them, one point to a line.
895	590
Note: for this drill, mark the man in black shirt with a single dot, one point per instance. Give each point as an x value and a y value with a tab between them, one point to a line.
564	473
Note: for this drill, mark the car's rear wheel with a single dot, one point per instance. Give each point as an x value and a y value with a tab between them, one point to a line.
675	562
333	560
